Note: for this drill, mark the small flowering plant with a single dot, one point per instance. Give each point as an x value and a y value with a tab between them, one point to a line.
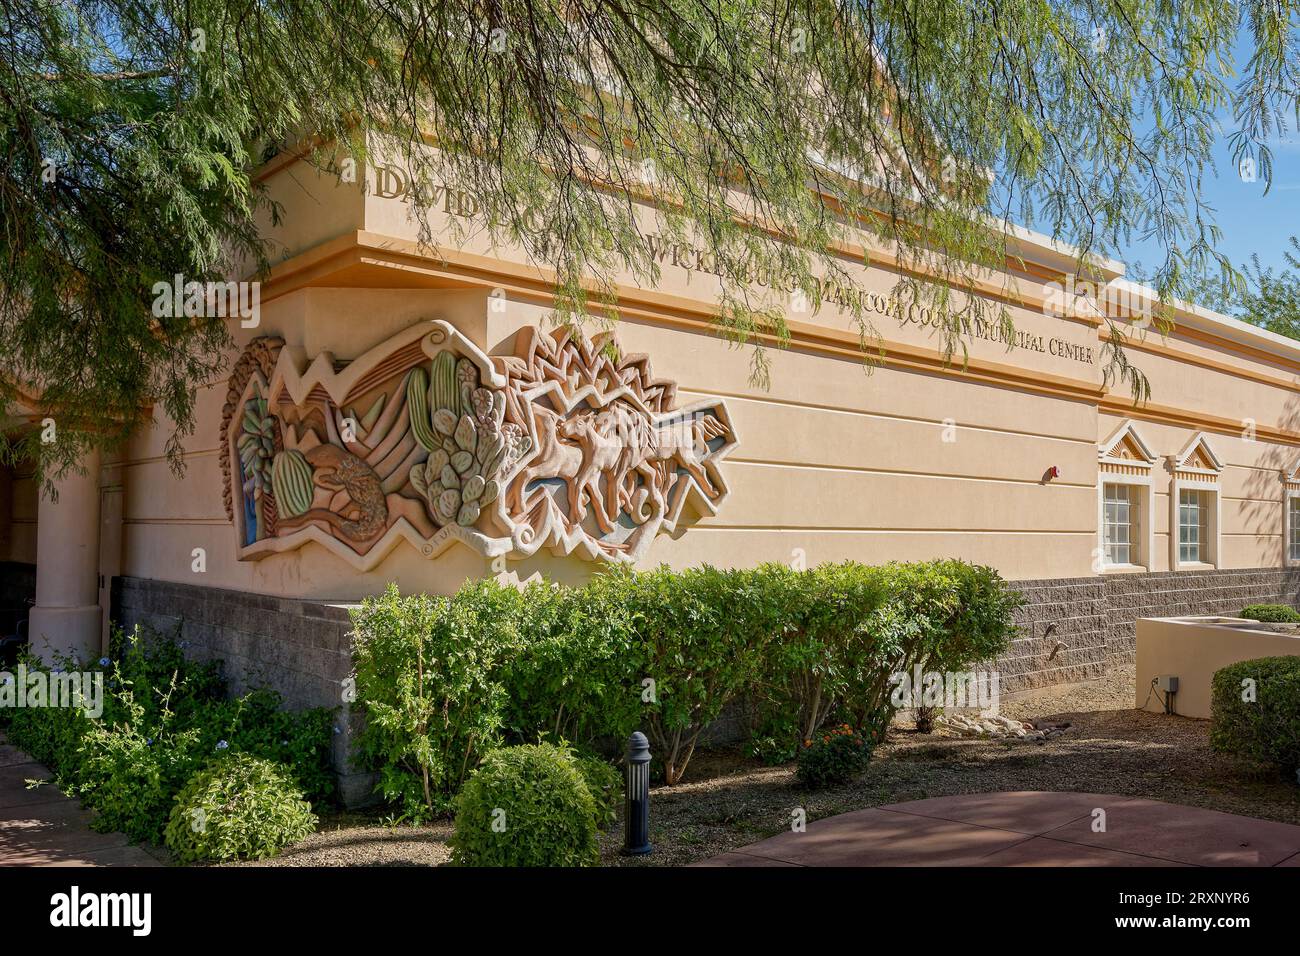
833	757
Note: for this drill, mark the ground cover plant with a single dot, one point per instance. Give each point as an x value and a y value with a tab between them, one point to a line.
164	720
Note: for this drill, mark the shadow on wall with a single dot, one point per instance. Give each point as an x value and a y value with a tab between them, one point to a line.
1265	488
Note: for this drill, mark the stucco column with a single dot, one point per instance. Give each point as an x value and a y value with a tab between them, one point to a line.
66	618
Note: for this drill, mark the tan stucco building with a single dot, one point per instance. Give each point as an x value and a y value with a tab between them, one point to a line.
321	469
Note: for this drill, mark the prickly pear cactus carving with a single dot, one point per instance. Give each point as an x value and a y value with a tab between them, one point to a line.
560	446
469	453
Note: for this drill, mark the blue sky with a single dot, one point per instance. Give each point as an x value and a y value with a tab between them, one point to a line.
1252	222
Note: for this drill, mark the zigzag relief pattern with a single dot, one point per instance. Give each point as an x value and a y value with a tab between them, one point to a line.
573	361
562	445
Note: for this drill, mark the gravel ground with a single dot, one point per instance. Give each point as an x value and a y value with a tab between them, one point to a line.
360	840
730	801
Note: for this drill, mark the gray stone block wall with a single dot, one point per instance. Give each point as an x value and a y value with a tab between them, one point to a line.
1096	617
300	649
1179	593
1069	611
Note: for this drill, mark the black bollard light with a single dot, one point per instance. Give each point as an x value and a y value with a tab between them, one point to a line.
636	779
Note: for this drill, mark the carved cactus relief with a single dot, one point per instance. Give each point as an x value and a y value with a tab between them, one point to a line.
426	439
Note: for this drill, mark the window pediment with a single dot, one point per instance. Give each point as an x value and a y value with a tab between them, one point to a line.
1197	457
1125	451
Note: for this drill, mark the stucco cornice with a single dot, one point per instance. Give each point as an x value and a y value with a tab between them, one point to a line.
357	254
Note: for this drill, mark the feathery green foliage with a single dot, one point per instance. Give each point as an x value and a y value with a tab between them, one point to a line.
764	130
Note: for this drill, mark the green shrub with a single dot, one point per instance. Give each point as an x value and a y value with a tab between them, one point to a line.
156	666
239	807
1255	711
130	772
605	783
1271	613
427	672
833	757
299	740
50	735
819	646
775	737
855	627
526	806
700	637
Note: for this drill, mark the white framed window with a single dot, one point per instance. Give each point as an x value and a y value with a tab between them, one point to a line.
1125	502
1120	514
1195	506
1293	527
1192	525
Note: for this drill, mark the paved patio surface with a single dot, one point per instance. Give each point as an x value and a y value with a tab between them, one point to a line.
1028	828
42	827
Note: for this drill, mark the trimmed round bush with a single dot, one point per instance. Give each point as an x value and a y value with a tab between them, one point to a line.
1255	711
1271	613
239	807
526	806
605	783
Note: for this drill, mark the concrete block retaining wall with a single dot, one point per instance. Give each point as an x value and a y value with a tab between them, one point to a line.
301	648
1095	617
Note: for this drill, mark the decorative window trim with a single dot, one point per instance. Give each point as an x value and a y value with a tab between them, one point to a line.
1196	468
1124	458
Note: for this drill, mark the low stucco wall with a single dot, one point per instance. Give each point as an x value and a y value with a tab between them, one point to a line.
1192	649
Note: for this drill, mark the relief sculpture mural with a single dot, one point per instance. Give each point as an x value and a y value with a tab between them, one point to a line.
560	445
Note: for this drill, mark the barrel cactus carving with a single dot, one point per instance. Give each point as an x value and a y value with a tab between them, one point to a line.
291	479
470	447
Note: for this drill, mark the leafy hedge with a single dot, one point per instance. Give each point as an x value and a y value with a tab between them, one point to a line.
1255	711
164	719
1271	613
445	680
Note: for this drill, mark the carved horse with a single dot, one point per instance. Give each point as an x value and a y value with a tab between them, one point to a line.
613	443
554	459
686	443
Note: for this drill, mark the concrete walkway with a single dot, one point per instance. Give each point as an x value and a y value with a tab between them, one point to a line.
42	827
1028	828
